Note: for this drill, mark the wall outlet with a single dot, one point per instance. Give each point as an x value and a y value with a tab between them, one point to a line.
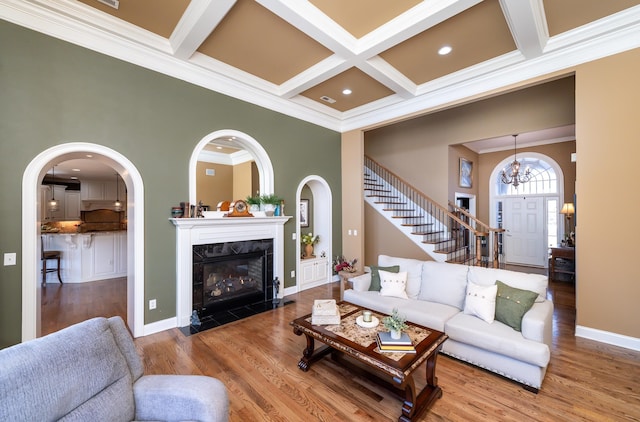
10	258
293	273
152	304
294	236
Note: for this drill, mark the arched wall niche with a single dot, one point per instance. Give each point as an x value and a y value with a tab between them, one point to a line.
321	207
32	177
261	158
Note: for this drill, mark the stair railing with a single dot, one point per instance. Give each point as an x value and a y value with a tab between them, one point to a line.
492	241
465	236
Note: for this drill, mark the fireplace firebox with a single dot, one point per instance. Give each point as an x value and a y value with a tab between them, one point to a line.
230	275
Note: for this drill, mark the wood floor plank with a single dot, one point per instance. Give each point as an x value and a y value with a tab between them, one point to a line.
256	359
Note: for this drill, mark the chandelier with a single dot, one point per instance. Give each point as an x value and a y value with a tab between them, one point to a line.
515	177
53	202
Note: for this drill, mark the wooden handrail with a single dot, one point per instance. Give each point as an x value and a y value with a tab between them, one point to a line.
481	241
488	229
426	197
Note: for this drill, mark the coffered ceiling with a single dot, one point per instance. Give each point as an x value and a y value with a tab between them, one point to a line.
298	56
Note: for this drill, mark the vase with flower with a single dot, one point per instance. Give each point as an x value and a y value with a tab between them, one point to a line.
309	240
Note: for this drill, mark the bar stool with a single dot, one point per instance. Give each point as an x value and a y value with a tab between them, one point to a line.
46	256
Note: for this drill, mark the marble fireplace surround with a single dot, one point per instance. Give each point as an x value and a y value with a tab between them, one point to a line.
202	231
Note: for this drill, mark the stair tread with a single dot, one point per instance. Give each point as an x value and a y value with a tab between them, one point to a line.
450	249
406	216
388	203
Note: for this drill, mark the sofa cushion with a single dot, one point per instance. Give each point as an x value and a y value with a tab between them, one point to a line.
535	282
413	267
430	314
512	304
375	276
393	284
88	367
444	283
496	337
481	301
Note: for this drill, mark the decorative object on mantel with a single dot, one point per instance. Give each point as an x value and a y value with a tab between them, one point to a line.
270	201
176	212
186	209
342	264
395	323
239	208
223	206
309	240
515	177
254	203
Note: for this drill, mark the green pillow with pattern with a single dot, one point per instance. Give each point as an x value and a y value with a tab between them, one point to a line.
375	276
512	304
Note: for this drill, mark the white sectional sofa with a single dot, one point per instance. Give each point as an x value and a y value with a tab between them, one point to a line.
437	294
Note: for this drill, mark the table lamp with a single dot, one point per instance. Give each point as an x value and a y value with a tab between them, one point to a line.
568	210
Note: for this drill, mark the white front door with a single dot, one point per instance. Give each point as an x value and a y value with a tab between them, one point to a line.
524	225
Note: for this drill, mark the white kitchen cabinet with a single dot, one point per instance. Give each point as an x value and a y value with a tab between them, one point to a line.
89	256
72	205
99	190
47	193
313	272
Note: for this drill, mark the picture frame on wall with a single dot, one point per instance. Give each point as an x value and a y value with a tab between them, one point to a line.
466	173
304	213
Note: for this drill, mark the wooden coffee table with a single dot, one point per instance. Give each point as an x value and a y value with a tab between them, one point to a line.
356	348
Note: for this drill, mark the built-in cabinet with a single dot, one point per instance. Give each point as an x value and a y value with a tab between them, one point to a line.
314	272
89	256
101	190
68	203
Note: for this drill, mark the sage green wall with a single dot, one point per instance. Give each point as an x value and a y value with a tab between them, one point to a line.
55	92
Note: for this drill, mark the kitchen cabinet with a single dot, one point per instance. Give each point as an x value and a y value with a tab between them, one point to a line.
68	203
89	256
102	190
72	205
313	272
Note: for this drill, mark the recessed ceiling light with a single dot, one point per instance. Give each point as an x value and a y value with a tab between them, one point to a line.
346	91
89	156
219	147
76	170
73	177
445	50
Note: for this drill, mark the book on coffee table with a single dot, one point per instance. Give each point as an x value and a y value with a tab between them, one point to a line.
395	348
386	340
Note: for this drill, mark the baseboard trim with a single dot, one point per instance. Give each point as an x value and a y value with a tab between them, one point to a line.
156	327
608	337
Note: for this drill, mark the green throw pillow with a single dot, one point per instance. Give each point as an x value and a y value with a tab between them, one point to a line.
512	304
375	276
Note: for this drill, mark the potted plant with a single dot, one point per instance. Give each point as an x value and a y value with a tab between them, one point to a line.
309	240
395	323
254	203
270	201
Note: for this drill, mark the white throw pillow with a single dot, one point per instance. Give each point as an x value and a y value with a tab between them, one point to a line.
481	301
413	267
393	284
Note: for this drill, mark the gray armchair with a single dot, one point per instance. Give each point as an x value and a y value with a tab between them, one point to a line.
91	371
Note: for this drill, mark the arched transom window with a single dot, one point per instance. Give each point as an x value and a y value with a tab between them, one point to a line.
543	179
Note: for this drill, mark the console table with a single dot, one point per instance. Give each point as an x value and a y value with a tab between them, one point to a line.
565	253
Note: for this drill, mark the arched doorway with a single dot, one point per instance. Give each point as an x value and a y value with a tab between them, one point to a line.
320	205
31	179
528	213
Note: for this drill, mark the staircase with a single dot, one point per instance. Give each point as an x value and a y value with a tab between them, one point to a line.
446	234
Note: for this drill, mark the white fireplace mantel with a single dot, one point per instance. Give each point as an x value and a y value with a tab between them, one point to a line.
202	231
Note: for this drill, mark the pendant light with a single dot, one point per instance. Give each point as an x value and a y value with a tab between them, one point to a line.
117	205
53	203
515	177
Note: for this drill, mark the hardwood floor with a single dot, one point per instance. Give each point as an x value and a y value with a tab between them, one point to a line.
257	358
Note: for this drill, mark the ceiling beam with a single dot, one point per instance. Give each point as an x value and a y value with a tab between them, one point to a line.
198	21
528	25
